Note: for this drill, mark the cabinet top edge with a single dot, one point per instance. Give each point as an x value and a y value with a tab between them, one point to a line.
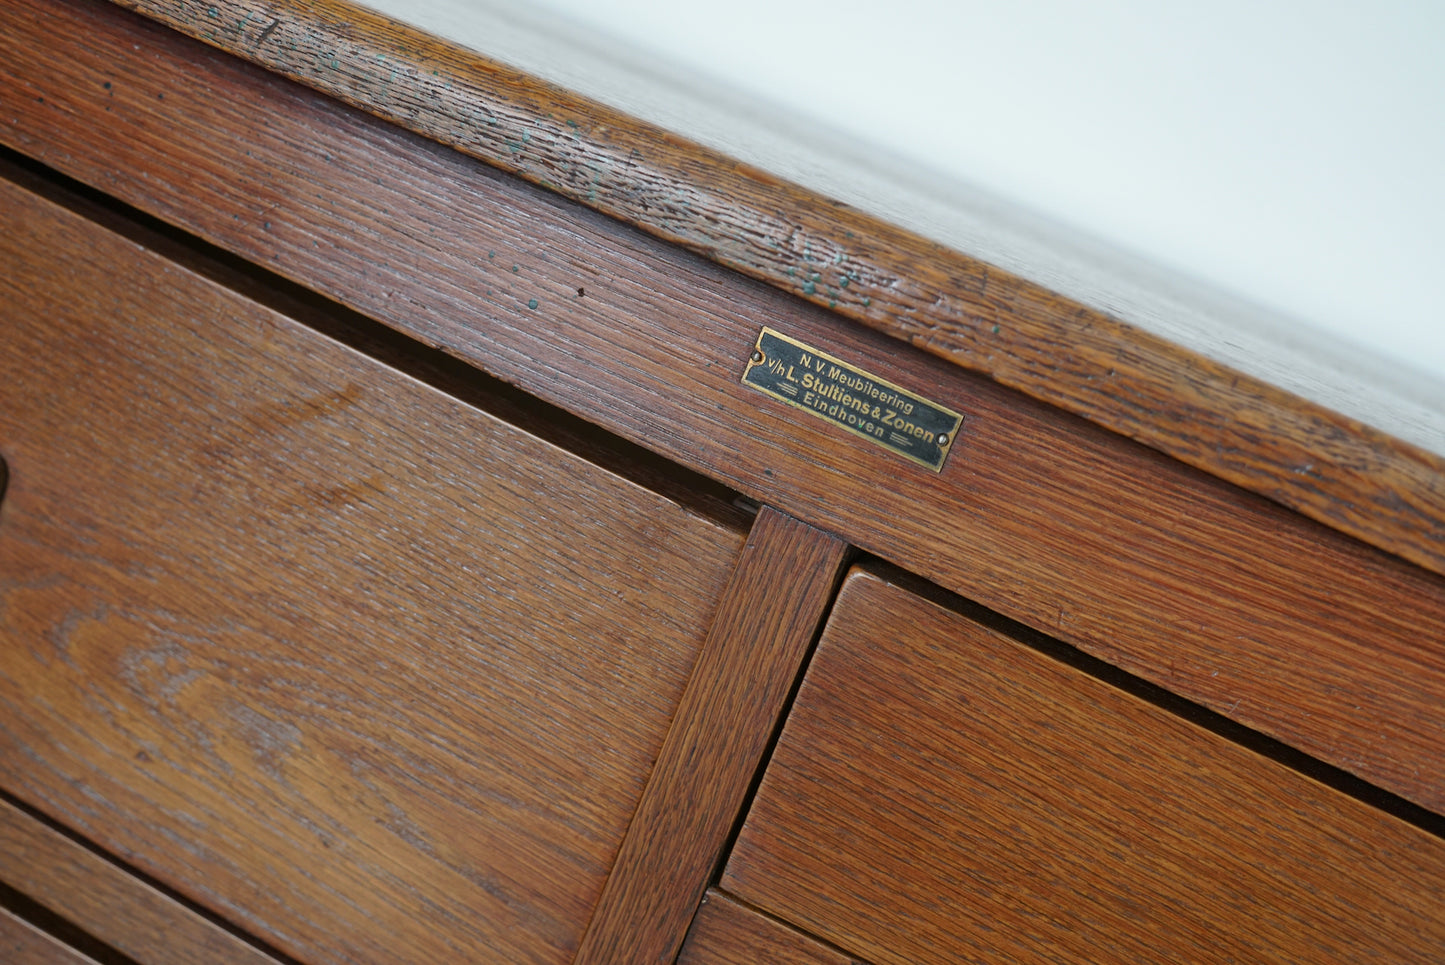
1333	468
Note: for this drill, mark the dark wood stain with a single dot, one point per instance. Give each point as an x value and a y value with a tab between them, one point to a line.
1332	468
409	723
763	628
1212	593
1028	813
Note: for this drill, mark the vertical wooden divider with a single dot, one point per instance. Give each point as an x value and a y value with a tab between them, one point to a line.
768	617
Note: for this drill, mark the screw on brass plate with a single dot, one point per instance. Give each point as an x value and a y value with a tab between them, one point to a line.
942	439
757	357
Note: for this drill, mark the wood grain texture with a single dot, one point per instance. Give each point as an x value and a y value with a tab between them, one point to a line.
23	944
1215	594
726	932
942	793
1330	467
728	714
109	903
362	670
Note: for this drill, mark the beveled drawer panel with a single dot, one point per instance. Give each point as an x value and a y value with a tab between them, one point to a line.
943	793
352	664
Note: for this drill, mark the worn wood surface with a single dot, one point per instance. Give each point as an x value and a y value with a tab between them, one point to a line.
23	944
1239	428
1213	593
754	651
1028	813
361	669
108	902
726	932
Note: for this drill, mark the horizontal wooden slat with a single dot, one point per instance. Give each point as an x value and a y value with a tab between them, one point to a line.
1330	467
941	793
726	932
359	668
107	902
23	944
1213	593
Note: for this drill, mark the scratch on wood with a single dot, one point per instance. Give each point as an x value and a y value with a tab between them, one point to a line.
267	32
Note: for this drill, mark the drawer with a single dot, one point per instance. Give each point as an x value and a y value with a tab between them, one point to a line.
942	792
358	667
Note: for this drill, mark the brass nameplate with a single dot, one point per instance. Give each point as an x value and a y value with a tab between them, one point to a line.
864	404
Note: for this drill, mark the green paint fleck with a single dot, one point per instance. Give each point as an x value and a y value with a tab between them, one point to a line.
838	258
532	303
336	65
809	288
491	254
848	234
995	329
572	124
515	269
842	281
816	276
213	13
792	271
867	302
832	303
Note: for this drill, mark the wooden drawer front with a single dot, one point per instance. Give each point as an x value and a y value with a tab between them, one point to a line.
355	665
943	793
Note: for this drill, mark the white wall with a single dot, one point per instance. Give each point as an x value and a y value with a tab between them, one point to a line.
1260	181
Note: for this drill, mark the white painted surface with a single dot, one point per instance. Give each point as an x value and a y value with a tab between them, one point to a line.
1263	182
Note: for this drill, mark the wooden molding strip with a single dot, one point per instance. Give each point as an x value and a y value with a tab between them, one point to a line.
1330	467
1209	591
728	932
21	943
773	606
108	902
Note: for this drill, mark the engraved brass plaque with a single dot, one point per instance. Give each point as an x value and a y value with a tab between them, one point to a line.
862	403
